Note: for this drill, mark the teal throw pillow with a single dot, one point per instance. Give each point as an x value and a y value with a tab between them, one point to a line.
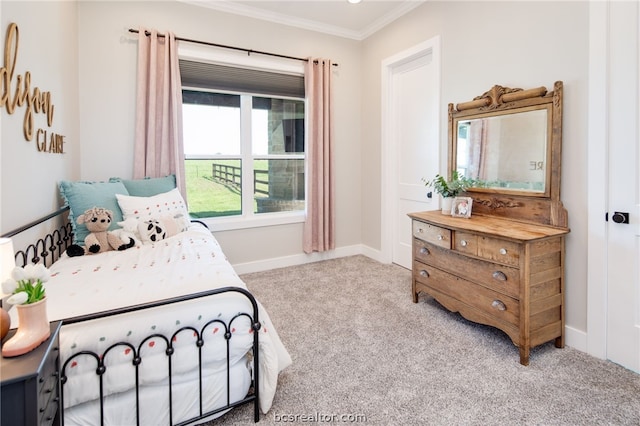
81	196
147	187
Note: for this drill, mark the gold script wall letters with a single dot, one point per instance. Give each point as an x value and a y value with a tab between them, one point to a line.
35	100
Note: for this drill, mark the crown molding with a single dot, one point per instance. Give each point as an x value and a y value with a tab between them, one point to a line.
278	18
402	9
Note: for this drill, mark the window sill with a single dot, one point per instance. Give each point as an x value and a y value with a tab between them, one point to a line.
255	221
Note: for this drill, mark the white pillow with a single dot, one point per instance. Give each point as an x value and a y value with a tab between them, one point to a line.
168	203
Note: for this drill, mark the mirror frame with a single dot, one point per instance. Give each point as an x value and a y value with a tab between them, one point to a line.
538	207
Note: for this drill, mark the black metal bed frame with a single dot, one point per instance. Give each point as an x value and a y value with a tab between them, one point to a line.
49	248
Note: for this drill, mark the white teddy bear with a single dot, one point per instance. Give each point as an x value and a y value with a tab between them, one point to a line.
128	231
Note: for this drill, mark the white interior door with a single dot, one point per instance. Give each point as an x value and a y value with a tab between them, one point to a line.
613	321
412	139
623	239
623	270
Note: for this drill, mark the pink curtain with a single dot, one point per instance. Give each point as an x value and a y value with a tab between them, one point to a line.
478	142
319	227
158	141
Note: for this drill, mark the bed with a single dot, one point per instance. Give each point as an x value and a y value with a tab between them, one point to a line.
161	333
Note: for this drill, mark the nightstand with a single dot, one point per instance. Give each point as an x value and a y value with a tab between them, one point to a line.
31	384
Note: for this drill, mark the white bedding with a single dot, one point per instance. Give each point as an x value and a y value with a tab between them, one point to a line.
187	263
154	402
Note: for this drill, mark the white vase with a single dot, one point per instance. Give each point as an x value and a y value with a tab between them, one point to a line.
446	205
33	329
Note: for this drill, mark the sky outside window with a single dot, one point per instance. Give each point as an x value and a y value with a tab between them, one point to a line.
215	130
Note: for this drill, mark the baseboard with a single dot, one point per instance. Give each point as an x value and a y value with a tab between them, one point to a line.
301	259
373	254
575	338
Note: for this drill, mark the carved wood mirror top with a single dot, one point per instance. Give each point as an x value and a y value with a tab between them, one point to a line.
509	141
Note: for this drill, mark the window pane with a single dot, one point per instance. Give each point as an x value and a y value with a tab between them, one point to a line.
278	126
213	187
212	126
279	185
215	152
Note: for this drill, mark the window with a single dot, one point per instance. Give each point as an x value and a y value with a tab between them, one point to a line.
463	148
244	144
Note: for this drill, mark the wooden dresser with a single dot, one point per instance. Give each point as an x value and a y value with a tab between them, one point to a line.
494	271
31	384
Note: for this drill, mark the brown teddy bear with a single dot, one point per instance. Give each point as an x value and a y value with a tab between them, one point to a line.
97	220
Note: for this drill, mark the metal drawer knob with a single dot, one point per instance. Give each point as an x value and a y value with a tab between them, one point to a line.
499	275
499	305
503	251
420	230
463	243
424	250
440	237
424	273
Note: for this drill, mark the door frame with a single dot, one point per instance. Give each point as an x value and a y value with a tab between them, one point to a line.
600	110
596	339
389	157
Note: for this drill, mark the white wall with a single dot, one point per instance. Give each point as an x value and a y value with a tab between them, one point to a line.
107	102
513	44
46	49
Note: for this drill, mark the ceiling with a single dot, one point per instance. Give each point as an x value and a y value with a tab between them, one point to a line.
336	17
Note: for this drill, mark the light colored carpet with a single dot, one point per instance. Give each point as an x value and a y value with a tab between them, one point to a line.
363	350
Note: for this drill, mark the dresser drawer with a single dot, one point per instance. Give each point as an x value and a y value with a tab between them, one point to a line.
465	242
433	234
499	250
503	279
48	413
495	304
48	390
48	377
48	399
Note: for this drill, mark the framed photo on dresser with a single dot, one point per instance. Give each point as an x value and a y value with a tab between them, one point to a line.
461	207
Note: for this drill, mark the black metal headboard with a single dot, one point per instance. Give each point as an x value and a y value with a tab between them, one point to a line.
47	249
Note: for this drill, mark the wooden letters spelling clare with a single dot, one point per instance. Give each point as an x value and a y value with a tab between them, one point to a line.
34	101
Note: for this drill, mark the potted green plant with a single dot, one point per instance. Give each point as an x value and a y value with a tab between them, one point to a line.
450	188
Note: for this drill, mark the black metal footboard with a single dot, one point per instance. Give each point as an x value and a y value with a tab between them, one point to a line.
137	359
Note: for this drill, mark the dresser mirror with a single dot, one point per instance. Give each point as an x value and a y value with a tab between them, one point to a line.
509	142
506	152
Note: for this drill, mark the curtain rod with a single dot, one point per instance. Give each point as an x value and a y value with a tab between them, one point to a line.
224	46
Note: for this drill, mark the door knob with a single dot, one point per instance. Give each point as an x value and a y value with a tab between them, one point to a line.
620	217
